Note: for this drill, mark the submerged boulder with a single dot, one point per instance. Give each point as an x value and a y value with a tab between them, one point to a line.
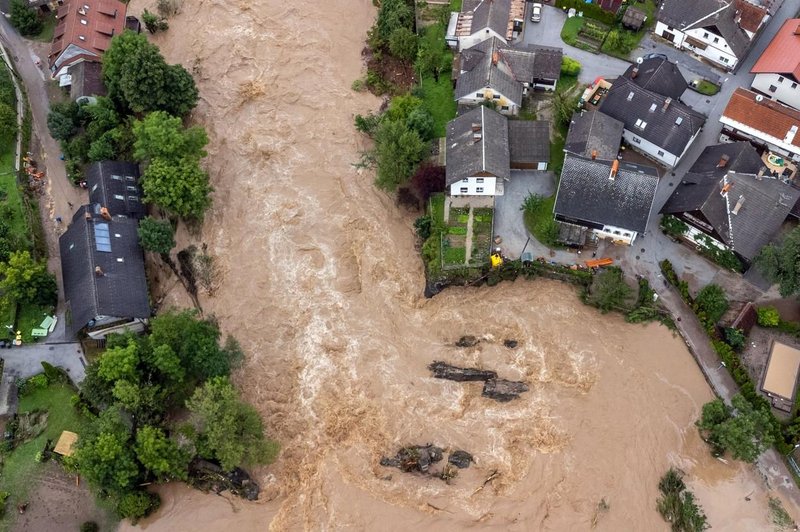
511	344
442	370
208	476
467	341
414	458
460	459
502	390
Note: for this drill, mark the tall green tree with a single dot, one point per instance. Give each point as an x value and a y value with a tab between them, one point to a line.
403	44
392	15
711	301
24	18
25	280
180	187
156	235
228	430
161	136
194	341
609	290
160	455
398	151
105	456
780	263
742	429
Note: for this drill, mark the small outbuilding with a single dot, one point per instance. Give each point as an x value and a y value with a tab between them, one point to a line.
634	18
780	376
65	446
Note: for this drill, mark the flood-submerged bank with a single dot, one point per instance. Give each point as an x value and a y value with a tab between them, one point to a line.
321	285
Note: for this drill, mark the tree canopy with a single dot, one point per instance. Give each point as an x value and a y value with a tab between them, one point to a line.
609	290
780	263
26	280
741	429
156	235
711	302
139	79
24	18
398	151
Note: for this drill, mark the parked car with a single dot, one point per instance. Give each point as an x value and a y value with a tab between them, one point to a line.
536	12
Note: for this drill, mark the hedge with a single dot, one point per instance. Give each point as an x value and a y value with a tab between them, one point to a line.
593	11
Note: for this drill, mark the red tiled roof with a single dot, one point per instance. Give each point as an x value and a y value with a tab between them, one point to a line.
766	116
88	25
751	15
782	55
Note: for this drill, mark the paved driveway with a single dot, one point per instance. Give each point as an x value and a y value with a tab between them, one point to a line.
508	222
25	361
548	33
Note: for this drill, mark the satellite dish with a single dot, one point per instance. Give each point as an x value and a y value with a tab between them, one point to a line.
759	98
639	60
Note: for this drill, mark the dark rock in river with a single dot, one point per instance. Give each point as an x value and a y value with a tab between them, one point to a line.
467	341
442	370
503	390
208	476
511	344
414	458
460	459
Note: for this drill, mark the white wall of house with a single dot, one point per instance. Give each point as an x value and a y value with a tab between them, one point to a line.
504	105
773	143
478	36
474	186
717	52
698	237
648	148
619	234
777	87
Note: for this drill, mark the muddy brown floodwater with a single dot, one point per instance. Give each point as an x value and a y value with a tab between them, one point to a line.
323	287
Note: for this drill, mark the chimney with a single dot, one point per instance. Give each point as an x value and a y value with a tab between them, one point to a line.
476	126
634	72
723	161
760	174
98	271
666	104
105	214
614	170
495	57
594	154
725	188
738	206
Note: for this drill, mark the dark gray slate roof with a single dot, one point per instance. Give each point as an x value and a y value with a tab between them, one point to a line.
657	74
492	14
466	156
662	127
682	14
529	141
481	72
122	289
87	80
764	205
592	130
115	185
724	23
586	193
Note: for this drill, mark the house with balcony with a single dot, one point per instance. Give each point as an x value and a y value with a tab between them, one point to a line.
777	71
493	71
483	146
718	31
728	200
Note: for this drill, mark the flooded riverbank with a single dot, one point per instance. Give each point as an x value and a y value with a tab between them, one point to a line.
323	287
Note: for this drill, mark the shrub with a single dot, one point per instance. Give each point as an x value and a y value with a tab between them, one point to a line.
711	302
672	226
570	67
37	382
24	18
89	526
735	338
768	316
423	227
137	504
677	504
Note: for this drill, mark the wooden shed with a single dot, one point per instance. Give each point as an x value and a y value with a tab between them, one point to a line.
65	446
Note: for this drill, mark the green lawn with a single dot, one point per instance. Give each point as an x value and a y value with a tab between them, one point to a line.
705	87
569	33
20	468
538	216
48	26
30	316
437	96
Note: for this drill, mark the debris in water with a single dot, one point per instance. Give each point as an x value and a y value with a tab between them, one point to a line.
511	344
493	475
467	341
414	458
502	390
442	370
448	473
207	476
460	459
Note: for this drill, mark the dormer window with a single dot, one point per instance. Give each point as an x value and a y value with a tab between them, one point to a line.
84	22
81	37
630	96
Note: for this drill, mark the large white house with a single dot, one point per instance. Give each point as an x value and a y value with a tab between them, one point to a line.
657	125
777	71
483	146
719	31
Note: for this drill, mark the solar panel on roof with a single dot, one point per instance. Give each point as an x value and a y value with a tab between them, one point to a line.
102	237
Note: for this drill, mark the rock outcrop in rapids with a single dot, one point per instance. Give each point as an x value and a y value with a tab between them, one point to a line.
501	390
414	458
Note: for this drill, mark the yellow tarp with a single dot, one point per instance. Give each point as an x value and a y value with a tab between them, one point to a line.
65	445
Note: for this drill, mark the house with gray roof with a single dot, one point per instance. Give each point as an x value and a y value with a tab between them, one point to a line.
492	70
480	20
729	201
483	146
719	31
613	199
594	135
656	73
658	126
102	266
114	185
